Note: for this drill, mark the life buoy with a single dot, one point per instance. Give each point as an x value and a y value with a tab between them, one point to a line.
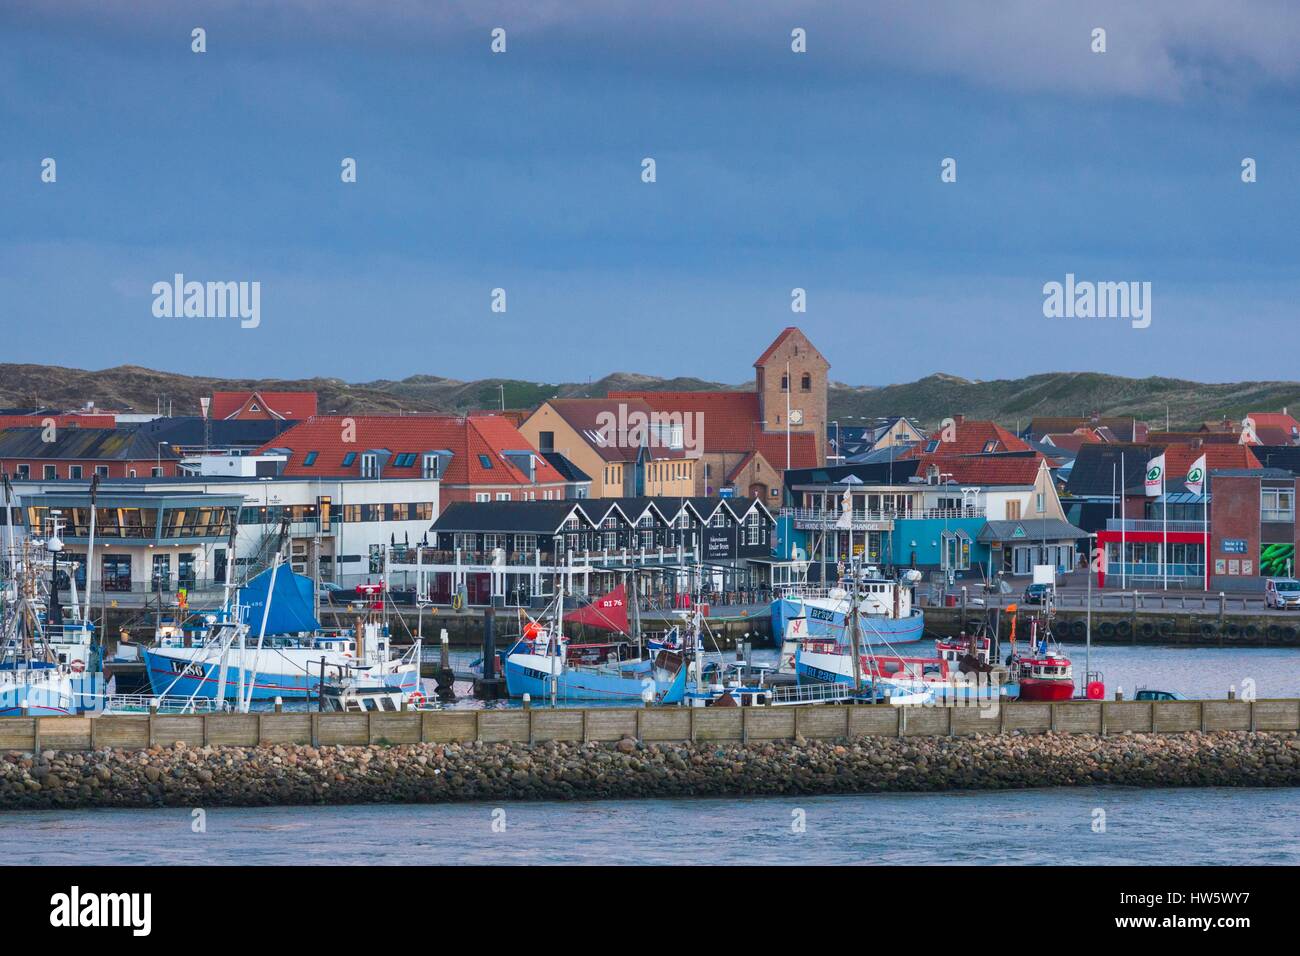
78	666
416	699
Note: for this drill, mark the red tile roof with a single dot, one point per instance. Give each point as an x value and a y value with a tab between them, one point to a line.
1274	420
970	438
984	469
465	438
730	422
292	406
1178	458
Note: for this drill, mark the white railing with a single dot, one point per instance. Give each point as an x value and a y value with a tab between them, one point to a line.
145	703
829	517
1148	524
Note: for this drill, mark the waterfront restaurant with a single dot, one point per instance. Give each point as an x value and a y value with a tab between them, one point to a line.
965	516
516	553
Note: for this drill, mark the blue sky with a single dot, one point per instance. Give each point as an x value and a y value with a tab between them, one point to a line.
775	170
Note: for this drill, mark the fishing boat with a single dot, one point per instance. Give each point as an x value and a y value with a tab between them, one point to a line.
48	658
539	665
1042	670
925	679
885	607
285	657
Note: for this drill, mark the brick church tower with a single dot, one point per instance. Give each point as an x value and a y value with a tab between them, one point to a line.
791	353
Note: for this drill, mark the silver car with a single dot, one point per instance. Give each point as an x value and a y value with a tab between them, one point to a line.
1282	593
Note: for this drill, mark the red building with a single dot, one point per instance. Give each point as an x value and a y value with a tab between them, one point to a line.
482	458
246	406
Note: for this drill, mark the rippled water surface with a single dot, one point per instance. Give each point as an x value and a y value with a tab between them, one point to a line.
1202	826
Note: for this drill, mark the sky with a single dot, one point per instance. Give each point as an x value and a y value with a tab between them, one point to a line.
774	170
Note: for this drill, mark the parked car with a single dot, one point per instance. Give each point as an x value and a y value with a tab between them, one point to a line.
1282	593
1036	594
1147	694
332	593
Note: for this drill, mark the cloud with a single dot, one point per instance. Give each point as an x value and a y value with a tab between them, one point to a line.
1159	49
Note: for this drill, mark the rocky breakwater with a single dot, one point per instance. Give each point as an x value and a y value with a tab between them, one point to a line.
252	776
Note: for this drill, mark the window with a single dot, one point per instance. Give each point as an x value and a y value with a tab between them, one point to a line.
1277	504
1038	502
1013	510
23	471
405	460
785	383
369	465
156	472
546	441
51	471
485	461
309	460
482	496
805	383
101	470
74	471
990	446
429	466
349	458
503	496
931	446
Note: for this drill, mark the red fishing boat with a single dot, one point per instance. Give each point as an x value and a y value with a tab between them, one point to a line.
1041	671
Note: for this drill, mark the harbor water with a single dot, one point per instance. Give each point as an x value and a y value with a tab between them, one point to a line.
1090	825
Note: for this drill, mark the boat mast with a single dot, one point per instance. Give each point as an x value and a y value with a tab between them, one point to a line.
854	624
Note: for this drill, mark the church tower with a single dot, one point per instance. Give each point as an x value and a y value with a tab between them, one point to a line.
793	367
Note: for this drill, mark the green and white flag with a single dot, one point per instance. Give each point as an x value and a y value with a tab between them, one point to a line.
1195	479
1155	483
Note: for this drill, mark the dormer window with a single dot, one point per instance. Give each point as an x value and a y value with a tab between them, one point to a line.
990	446
369	465
429	466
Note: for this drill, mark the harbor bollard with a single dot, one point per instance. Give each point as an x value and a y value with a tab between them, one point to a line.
528	701
1232	693
279	705
1119	693
153	705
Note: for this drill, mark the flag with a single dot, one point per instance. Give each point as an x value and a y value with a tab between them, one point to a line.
608	611
1155	481
1195	480
845	519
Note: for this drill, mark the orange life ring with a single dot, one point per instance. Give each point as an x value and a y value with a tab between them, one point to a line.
416	699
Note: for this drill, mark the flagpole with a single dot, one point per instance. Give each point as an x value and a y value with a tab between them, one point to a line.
1205	522
1123	523
1164	553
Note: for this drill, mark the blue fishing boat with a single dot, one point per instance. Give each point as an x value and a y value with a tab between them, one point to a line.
271	646
540	665
886	610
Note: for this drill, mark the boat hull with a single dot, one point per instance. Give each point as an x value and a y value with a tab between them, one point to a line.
838	668
827	617
287	673
1046	690
53	697
531	674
